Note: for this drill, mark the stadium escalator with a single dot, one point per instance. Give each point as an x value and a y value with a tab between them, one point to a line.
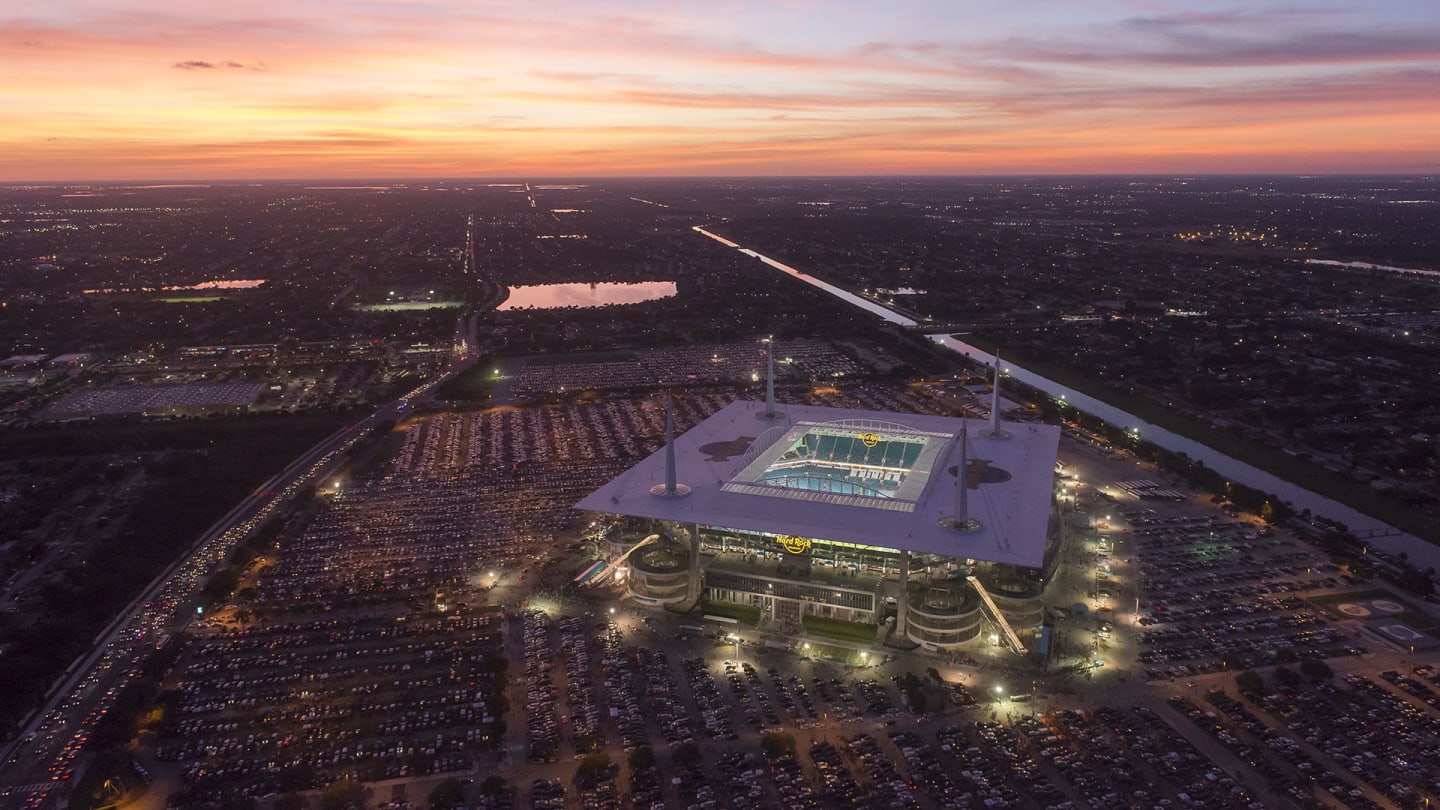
998	617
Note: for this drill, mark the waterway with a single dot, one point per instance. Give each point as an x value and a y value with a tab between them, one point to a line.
1368	266
1419	551
553	296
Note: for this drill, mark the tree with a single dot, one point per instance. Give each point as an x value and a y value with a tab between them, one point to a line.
494	785
1249	683
292	801
221	585
593	768
1416	582
342	795
1286	677
297	777
1316	670
777	744
449	793
642	758
687	755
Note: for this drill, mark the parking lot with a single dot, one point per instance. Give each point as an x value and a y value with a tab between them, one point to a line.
417	628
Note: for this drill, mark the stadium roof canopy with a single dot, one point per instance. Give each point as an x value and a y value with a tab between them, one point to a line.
866	477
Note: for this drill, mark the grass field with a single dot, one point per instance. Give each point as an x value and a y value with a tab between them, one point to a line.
476	382
1412	616
747	615
842	654
857	632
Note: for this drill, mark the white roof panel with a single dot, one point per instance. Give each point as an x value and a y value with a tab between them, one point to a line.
720	459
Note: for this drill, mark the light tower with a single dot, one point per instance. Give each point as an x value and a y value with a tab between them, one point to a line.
995	431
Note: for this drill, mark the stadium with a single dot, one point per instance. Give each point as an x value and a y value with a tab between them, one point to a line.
789	515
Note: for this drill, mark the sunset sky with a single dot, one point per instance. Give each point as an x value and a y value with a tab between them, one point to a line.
200	89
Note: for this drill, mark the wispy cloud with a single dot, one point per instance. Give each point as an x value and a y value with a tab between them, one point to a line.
201	64
1251	37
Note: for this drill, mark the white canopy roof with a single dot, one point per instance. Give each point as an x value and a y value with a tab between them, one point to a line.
723	460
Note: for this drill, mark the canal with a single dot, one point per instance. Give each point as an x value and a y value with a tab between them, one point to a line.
1420	552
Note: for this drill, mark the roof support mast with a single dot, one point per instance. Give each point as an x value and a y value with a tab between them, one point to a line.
995	431
961	521
962	486
769	412
671	488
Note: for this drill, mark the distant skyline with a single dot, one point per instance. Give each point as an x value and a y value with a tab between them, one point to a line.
171	90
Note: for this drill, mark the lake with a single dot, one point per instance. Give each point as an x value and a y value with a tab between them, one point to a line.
554	296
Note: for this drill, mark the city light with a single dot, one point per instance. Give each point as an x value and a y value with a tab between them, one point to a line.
402	567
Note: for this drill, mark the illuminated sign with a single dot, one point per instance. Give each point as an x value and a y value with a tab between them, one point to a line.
793	544
869	439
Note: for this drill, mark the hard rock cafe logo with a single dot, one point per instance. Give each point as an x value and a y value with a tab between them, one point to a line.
869	439
793	544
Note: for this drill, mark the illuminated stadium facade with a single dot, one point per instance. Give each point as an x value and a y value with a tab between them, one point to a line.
857	516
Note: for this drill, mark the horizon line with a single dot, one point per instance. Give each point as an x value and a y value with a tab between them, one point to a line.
202	181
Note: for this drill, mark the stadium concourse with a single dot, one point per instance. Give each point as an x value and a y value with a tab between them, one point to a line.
798	514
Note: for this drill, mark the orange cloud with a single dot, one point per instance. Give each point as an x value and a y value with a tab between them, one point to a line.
266	89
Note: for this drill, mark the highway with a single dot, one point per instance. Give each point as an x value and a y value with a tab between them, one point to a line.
46	752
